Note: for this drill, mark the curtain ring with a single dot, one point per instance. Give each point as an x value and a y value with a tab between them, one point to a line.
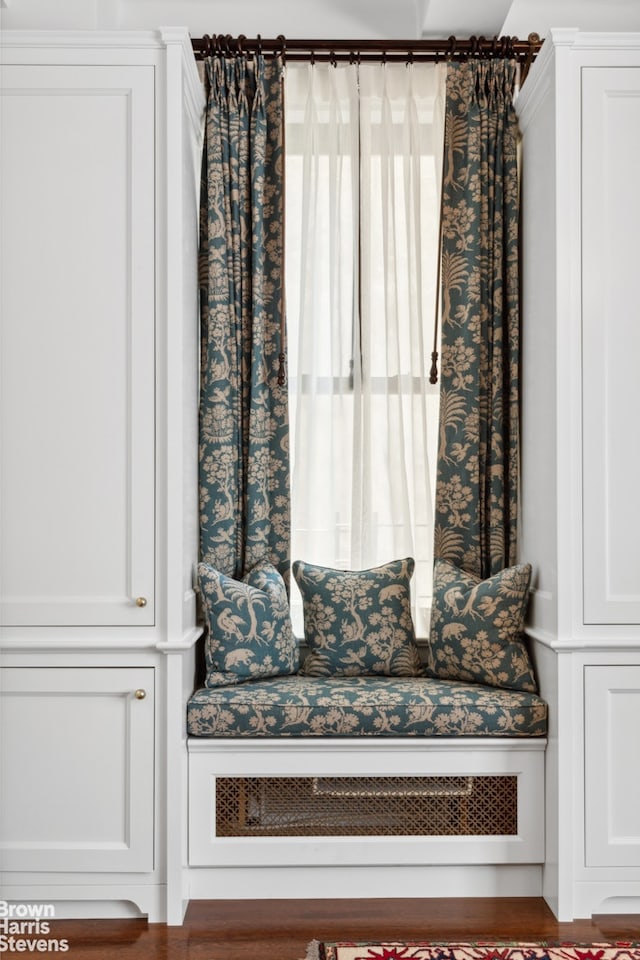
452	47
283	47
241	37
259	45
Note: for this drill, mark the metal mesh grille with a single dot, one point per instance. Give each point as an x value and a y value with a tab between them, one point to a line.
366	806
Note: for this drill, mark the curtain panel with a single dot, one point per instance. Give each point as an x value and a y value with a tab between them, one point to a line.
244	462
478	452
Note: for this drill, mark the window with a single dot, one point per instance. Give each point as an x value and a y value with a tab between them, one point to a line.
363	155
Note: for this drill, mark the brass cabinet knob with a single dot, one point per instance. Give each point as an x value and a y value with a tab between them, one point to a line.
141	601
141	694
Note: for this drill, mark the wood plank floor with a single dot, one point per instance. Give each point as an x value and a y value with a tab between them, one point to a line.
281	929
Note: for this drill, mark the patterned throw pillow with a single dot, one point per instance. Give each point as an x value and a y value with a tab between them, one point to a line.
249	626
476	627
358	622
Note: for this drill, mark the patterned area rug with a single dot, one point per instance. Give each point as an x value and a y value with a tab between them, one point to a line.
420	950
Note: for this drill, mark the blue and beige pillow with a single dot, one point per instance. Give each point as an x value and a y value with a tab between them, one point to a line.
358	622
477	627
248	623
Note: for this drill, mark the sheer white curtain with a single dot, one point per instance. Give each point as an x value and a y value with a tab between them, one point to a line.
363	155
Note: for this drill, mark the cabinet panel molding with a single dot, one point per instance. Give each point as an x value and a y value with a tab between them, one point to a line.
612	773
611	344
77	770
78	392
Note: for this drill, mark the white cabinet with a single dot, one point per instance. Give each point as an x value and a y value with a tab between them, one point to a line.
78	345
100	149
77	747
612	770
611	343
579	115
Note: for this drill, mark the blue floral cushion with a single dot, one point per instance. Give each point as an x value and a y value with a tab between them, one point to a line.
476	627
358	622
248	622
364	707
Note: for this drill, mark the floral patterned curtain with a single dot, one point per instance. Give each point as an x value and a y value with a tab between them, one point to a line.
478	455
244	464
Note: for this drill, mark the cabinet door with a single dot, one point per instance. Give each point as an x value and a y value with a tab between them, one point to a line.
611	343
77	400
612	788
76	785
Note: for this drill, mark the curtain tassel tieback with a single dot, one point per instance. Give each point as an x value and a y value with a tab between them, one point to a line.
282	369
433	373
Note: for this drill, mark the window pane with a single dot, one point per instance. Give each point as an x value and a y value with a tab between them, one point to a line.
362	217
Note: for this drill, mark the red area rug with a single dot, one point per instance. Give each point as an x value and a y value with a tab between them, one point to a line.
420	950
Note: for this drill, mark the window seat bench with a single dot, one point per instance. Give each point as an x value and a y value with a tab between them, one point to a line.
412	787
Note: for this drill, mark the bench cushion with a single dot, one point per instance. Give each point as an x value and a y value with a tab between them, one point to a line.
297	706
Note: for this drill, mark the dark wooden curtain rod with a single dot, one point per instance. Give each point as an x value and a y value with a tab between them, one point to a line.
358	51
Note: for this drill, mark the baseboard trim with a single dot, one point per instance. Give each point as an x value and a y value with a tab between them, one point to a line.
346	882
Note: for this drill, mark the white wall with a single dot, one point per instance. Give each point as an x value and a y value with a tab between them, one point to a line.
331	19
464	18
526	16
326	19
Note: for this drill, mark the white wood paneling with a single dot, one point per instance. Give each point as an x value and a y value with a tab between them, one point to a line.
313	883
539	444
77	400
209	759
100	159
611	343
77	771
580	119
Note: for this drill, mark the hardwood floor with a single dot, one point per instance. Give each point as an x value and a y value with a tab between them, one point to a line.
281	929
